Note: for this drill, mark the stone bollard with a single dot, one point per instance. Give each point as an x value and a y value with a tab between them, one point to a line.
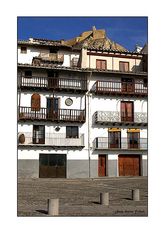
53	207
104	199
136	194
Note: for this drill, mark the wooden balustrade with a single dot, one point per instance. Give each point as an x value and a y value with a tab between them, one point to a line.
66	115
53	83
136	87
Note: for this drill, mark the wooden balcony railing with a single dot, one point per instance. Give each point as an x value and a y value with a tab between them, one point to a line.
53	83
103	143
136	88
51	139
55	57
64	115
105	117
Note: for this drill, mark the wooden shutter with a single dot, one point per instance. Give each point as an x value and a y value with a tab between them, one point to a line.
124	66
123	111
133	139
114	139
35	102
127	111
129	107
103	62
98	64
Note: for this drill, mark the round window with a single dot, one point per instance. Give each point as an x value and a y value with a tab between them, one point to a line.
68	101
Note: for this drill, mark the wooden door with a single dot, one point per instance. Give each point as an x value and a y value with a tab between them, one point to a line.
52	108
35	102
129	165
127	86
127	112
53	80
52	166
102	166
114	139
133	139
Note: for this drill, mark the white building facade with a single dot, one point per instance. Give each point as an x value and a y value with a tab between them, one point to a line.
82	110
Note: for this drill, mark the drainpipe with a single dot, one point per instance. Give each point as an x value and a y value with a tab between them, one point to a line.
89	132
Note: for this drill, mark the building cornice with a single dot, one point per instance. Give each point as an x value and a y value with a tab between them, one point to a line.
77	69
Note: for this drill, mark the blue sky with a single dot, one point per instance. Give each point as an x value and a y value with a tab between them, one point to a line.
127	31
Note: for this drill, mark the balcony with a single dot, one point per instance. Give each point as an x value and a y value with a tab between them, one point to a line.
136	88
44	114
102	143
51	140
50	83
51	57
114	118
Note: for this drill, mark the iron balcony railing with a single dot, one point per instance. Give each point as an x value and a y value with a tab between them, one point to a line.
50	139
52	83
103	143
114	116
118	87
70	115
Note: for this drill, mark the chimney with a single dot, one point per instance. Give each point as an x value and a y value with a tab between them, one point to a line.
137	48
93	28
62	41
30	39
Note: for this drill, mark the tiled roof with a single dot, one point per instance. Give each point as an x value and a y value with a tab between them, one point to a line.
104	44
43	42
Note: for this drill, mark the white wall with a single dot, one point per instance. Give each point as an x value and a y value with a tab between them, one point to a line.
33	51
112	61
78	100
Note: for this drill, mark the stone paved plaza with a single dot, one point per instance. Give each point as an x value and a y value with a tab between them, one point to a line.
81	197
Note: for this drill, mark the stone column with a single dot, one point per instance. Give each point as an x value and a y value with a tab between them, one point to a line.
136	194
104	199
53	207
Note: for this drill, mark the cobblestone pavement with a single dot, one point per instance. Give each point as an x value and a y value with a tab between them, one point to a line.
80	197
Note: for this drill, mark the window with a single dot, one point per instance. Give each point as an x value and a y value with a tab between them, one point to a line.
123	66
74	62
101	64
35	102
127	112
38	134
145	82
50	74
72	132
114	139
133	139
53	50
23	49
28	74
127	85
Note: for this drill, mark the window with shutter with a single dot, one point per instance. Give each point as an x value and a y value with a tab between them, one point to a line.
127	111
101	64
35	102
114	139
23	49
72	132
123	66
28	74
38	134
133	139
